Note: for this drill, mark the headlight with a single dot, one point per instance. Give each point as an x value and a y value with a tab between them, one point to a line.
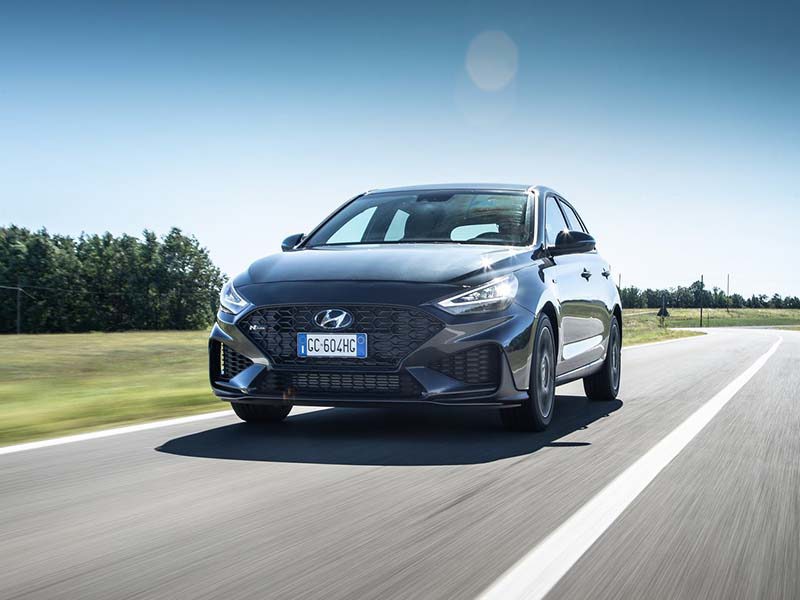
496	295
230	301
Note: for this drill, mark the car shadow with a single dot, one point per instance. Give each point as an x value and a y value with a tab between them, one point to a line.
390	437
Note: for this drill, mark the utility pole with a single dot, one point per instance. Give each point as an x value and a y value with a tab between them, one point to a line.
702	287
728	295
19	305
620	281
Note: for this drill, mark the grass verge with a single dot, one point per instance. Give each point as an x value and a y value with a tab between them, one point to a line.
720	317
643	328
52	385
642	325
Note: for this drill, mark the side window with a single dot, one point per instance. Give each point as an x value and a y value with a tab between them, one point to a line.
572	218
553	221
353	231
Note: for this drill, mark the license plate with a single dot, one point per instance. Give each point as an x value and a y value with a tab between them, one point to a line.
353	345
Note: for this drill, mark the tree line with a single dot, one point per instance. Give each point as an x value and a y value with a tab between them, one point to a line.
105	282
114	283
697	294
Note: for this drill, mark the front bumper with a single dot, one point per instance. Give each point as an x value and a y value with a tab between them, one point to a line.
419	378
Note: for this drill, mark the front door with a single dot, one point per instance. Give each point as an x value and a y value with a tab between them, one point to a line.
581	330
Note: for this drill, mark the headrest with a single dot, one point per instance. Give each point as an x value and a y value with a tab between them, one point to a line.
422	222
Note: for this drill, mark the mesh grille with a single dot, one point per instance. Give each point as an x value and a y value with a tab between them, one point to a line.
232	363
475	366
393	332
339	384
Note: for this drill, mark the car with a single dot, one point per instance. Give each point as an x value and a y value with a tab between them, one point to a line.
480	295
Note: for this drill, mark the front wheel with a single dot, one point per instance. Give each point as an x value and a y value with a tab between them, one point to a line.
536	411
260	413
604	385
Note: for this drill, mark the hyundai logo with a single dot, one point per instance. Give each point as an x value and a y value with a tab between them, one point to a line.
333	318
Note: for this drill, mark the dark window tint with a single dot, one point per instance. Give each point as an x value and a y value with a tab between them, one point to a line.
553	221
438	217
572	218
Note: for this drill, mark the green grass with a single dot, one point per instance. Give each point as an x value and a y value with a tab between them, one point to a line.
641	324
642	327
54	385
736	317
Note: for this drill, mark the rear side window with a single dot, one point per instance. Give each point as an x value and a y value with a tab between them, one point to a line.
553	221
573	220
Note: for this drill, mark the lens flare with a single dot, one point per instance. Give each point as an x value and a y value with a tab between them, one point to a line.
492	60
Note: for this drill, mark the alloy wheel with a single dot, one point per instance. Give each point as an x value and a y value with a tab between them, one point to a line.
546	381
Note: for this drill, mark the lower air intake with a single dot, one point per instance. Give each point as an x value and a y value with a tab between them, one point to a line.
341	385
478	366
231	363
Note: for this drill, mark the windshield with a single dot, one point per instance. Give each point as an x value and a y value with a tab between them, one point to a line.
429	217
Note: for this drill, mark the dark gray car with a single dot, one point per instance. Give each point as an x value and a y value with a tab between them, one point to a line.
461	295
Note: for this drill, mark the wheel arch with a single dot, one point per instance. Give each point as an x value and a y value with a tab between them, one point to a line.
550	310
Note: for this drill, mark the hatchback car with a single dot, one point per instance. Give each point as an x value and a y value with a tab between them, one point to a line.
484	295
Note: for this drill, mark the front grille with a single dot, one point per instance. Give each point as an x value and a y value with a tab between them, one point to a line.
393	332
342	385
478	365
231	363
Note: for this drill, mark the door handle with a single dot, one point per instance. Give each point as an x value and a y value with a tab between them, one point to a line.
586	274
606	273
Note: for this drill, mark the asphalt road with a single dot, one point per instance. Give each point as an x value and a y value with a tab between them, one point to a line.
428	503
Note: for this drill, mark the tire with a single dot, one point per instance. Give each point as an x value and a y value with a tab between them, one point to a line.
604	385
536	412
260	413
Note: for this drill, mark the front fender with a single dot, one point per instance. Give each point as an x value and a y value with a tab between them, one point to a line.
536	294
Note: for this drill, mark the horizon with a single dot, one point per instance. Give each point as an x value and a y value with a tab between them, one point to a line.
670	287
675	138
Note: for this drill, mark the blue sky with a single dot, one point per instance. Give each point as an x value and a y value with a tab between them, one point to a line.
673	127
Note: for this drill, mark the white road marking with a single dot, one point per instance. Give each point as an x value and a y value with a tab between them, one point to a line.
94	435
539	570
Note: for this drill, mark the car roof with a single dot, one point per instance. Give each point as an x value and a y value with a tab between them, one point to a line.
472	187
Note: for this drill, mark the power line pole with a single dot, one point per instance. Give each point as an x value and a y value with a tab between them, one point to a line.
702	287
728	294
19	305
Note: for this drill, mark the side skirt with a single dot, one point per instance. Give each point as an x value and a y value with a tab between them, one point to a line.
580	372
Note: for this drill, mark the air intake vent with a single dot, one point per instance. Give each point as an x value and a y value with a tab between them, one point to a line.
478	365
231	363
339	385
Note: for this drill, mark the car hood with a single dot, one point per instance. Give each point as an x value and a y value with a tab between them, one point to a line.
412	263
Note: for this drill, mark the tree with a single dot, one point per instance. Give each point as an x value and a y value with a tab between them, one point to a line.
757	301
107	283
632	297
684	298
776	301
737	301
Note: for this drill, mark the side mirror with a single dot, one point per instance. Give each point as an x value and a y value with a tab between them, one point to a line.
290	242
572	242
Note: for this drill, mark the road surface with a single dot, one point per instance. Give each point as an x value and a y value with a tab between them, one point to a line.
343	503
